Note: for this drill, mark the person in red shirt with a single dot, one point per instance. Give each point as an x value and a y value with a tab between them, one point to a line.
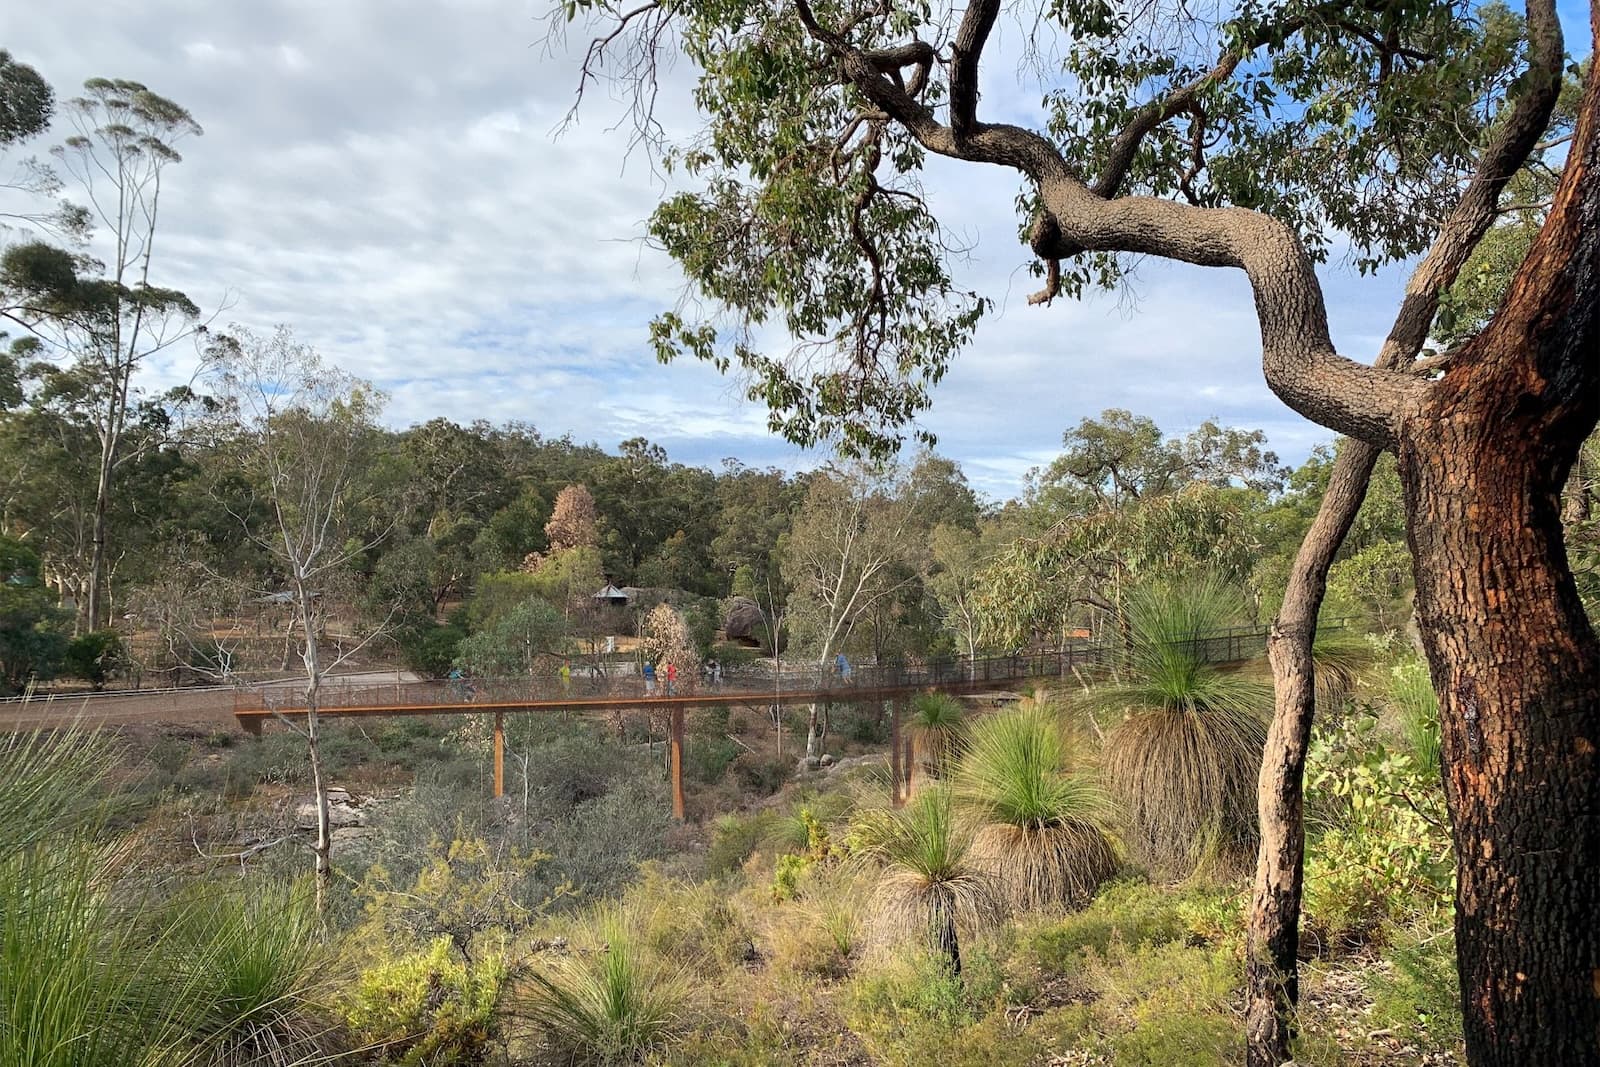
672	677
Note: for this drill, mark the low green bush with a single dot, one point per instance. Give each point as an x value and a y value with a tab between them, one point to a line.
707	759
1384	854
1129	913
428	1007
1420	999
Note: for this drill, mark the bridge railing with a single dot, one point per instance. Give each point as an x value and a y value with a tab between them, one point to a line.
1228	645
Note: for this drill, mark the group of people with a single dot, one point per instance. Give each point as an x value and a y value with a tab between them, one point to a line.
710	671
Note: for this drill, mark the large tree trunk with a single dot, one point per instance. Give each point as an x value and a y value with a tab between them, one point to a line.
1517	669
1483	458
1272	974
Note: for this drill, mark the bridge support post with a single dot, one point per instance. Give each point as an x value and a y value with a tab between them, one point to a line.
894	751
499	754
675	752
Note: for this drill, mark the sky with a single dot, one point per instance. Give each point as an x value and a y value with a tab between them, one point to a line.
389	179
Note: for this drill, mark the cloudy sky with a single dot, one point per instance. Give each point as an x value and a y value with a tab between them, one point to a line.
386	178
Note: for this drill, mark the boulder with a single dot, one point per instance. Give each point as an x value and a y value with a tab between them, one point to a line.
742	620
342	811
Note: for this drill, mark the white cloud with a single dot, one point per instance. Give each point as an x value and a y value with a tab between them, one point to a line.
383	178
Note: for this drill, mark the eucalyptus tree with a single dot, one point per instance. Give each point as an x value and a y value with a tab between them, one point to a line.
848	550
1254	139
27	104
106	326
1120	458
305	432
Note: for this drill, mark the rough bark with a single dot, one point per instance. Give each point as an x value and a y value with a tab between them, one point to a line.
1515	662
1543	374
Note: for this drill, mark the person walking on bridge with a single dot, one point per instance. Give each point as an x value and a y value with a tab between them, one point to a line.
672	677
649	679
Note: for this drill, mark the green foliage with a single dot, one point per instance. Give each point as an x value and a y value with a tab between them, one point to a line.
1412	696
96	657
1420	998
428	1007
1384	854
33	639
1043	841
734	838
1131	915
527	640
1045	583
611	1006
466	889
26	101
259	973
928	891
786	875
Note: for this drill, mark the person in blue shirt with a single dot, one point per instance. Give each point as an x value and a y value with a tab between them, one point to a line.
649	679
843	666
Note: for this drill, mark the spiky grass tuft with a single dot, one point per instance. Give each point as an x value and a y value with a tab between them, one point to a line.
1183	762
1412	695
612	1007
259	975
1044	840
935	725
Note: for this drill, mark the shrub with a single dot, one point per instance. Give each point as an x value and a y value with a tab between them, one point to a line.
428	1007
597	849
733	839
611	1006
1384	855
169	755
96	657
707	759
760	775
1043	842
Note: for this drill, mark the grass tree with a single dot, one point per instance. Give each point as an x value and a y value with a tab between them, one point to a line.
936	723
1182	762
1044	840
929	886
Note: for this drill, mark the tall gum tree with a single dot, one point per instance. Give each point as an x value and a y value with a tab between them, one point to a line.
107	319
1287	126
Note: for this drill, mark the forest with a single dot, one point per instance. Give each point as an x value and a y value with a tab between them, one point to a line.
1360	830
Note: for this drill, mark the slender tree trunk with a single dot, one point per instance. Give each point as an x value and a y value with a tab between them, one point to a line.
91	614
1272	974
895	797
322	848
